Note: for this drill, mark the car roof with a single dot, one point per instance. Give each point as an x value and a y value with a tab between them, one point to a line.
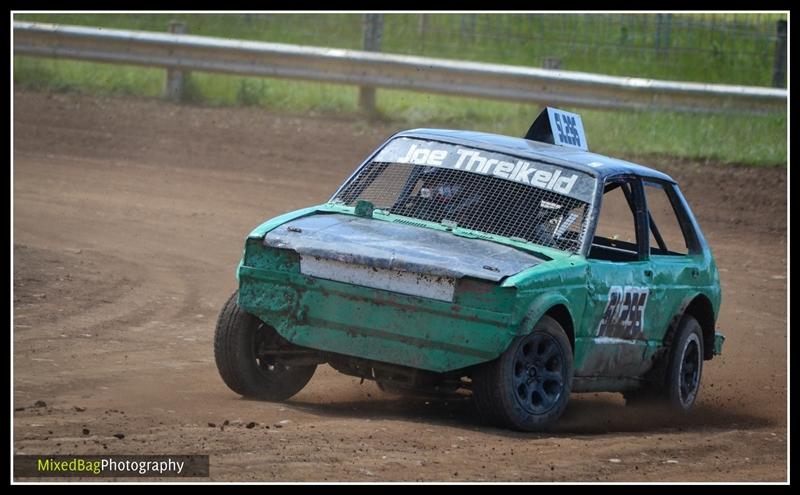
594	164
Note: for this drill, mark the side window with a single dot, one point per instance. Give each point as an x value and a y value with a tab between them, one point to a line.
615	233
666	236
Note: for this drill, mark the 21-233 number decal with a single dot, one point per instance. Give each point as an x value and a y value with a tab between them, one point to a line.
623	317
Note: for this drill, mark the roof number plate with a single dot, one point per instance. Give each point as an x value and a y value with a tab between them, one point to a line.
567	129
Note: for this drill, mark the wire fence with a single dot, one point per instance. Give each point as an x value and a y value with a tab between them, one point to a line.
747	49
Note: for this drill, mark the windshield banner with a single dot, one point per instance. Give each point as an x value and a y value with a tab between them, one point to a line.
560	180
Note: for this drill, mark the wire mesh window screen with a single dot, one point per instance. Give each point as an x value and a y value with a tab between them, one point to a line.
472	201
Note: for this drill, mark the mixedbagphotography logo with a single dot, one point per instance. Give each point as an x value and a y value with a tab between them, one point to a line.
113	466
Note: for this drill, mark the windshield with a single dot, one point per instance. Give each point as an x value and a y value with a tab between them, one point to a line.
478	190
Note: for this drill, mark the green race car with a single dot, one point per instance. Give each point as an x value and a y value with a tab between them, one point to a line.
453	262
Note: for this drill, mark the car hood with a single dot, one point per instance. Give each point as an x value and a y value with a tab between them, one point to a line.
389	245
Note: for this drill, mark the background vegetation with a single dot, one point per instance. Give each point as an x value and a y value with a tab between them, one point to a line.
729	48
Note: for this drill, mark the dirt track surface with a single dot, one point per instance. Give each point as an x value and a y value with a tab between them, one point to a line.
129	218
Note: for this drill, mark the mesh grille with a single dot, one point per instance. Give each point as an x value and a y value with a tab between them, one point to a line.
473	201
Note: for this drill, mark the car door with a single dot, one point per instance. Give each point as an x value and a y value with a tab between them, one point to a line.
619	284
675	255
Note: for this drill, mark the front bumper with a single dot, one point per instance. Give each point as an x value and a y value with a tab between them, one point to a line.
371	323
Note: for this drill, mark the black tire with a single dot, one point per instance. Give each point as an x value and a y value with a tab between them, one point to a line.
527	388
679	375
237	337
685	366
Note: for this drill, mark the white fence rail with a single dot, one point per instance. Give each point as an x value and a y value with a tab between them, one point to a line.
371	69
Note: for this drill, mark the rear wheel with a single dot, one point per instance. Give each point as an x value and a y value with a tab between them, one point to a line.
685	367
528	387
678	381
247	353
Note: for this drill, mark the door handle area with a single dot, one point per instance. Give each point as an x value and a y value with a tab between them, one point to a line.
648	273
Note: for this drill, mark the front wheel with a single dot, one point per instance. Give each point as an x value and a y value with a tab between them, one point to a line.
247	353
528	387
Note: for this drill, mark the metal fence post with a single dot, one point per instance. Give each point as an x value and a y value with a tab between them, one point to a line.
173	88
779	65
423	32
468	27
663	28
373	31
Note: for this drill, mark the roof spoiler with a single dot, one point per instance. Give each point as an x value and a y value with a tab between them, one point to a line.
558	127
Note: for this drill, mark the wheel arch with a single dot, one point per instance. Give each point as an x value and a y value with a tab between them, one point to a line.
701	308
555	306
